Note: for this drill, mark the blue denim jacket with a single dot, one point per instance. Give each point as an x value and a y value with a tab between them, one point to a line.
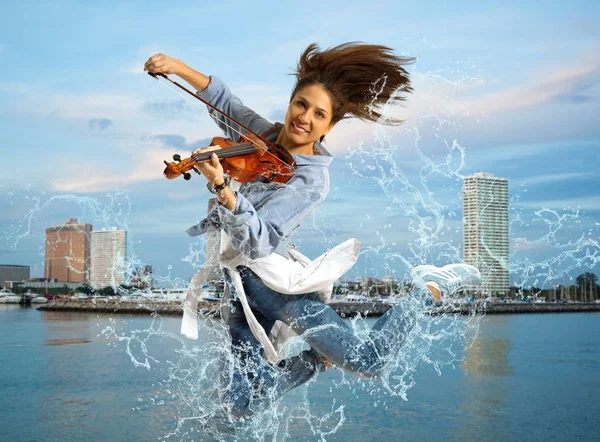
266	214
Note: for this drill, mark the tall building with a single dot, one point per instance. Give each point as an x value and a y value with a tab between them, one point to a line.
485	229
10	272
108	262
68	251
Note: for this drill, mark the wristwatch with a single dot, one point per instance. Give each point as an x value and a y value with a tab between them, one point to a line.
214	189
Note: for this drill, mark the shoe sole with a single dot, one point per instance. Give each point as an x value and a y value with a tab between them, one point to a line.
435	290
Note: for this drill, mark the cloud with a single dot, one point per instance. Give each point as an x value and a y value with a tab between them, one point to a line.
169	140
169	107
435	107
546	87
573	98
177	141
277	115
99	124
69	105
105	176
587	203
556	177
523	245
448	108
146	164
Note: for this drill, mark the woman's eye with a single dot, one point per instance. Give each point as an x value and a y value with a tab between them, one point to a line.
320	115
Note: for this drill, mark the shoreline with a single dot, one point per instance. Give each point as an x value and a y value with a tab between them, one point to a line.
370	309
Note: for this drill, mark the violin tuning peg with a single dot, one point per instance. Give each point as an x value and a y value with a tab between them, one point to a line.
186	176
176	157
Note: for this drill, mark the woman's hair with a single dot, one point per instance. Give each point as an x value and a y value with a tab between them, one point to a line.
360	78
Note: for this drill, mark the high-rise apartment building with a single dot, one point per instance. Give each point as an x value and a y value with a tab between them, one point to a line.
68	251
485	229
13	272
108	261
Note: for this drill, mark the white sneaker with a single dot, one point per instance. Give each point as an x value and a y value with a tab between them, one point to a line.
445	280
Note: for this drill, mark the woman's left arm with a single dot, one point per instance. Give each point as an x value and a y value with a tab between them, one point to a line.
258	232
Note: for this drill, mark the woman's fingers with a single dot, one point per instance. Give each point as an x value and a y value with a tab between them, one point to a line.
162	64
155	59
215	160
206	149
212	169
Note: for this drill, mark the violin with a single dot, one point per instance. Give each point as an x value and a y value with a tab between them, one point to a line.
250	158
243	162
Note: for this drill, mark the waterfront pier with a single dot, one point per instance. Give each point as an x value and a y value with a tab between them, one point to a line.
344	309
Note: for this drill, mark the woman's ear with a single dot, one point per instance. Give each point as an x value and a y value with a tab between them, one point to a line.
326	132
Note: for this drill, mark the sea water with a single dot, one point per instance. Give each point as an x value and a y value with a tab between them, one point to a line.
524	377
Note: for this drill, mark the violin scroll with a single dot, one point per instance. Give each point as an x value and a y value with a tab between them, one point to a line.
173	170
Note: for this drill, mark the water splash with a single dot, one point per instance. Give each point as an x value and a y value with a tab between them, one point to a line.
411	195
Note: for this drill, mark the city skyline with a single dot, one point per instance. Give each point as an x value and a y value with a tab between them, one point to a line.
509	89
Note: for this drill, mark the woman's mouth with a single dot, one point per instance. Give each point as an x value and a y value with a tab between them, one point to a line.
298	129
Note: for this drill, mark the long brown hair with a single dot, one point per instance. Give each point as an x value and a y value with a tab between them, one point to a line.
360	78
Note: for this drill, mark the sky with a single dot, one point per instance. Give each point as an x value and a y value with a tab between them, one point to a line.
508	89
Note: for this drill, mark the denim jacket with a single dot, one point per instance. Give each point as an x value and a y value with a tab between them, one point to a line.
266	214
256	233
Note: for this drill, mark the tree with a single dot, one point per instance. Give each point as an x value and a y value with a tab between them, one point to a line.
85	288
108	291
586	278
586	283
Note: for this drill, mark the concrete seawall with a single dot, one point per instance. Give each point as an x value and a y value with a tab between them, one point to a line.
211	309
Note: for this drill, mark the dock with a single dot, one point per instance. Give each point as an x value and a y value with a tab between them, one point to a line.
344	309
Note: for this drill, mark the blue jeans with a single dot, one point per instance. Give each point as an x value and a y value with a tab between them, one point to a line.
254	384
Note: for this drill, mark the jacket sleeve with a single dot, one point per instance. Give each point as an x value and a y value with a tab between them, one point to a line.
218	94
258	233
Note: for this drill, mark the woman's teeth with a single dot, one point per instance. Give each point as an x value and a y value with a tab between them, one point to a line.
299	129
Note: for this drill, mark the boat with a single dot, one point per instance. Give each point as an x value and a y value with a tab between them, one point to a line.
31	297
354	297
164	294
209	293
37	298
8	297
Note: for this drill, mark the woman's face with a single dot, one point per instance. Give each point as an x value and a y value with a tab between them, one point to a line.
308	118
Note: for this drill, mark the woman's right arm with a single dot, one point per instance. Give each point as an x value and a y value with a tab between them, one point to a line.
215	92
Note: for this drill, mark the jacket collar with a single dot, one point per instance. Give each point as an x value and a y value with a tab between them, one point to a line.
321	156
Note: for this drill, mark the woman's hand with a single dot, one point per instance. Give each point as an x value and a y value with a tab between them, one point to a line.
163	64
212	170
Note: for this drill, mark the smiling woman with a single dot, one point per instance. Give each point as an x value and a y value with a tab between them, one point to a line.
262	268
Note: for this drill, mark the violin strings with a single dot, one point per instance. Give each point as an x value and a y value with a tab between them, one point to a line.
231	151
214	117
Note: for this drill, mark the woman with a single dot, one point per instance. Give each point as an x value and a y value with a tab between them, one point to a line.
351	79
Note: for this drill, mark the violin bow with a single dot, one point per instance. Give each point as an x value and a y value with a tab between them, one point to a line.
219	111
